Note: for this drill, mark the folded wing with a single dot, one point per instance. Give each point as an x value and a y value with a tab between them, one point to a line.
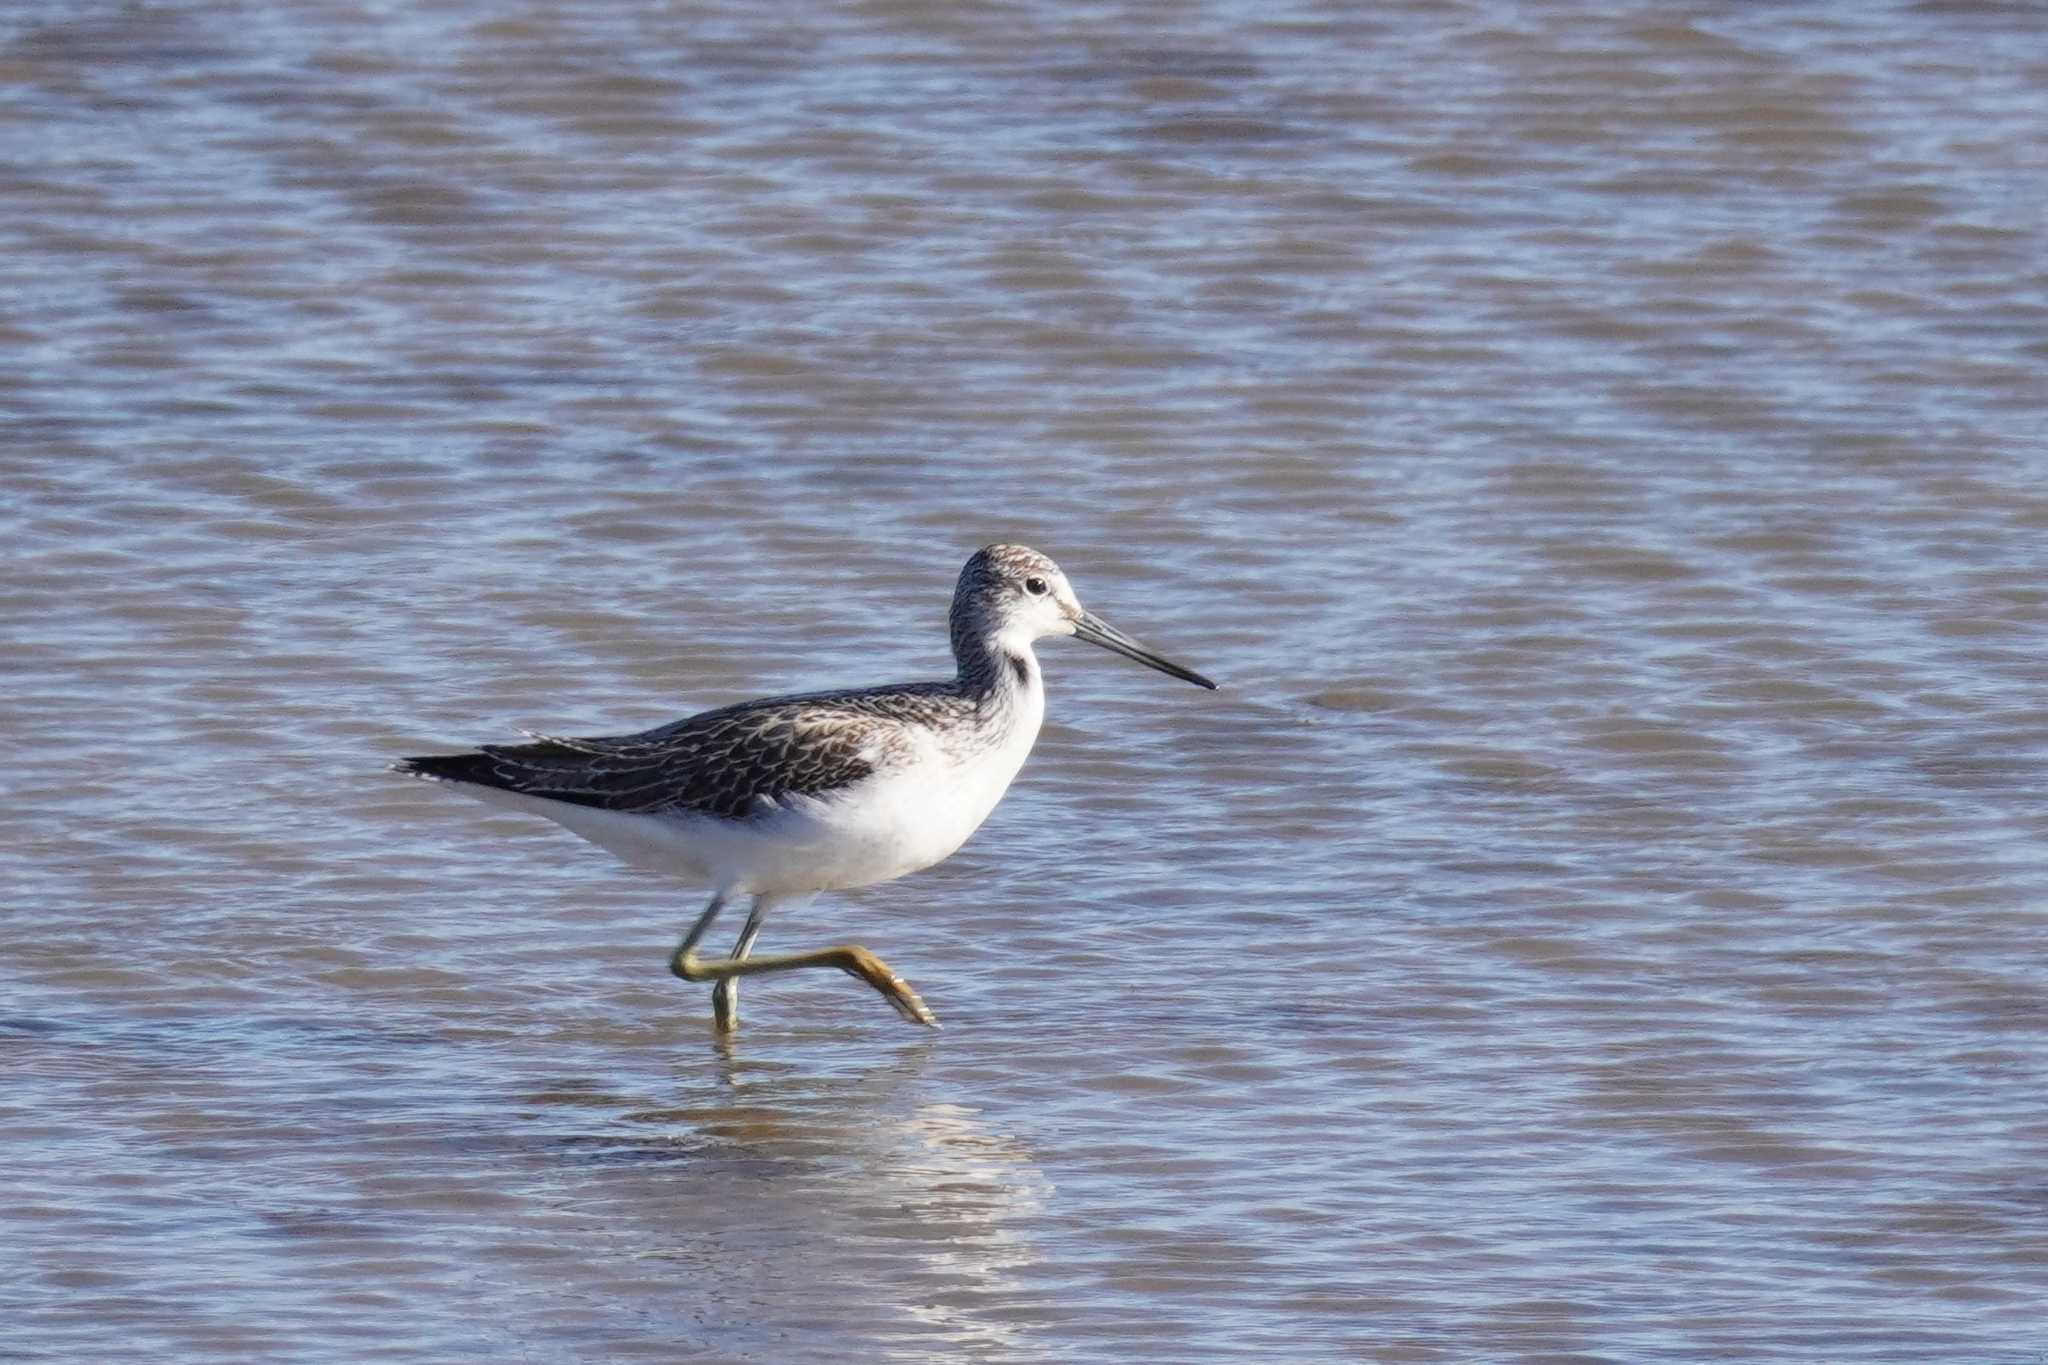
735	763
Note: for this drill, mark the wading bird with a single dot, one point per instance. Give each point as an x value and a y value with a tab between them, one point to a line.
785	797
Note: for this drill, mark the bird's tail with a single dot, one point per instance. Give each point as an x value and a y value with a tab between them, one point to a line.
471	767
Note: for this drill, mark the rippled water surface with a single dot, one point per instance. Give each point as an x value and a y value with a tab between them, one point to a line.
1599	448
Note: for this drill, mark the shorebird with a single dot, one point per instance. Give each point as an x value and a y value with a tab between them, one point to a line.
785	797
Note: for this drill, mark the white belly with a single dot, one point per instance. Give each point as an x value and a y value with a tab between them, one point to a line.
905	817
889	826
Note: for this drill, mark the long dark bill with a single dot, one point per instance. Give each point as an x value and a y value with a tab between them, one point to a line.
1096	631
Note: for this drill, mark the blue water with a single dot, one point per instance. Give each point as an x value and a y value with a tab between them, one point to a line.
1600	918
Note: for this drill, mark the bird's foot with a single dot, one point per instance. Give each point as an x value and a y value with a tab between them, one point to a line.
725	1005
857	961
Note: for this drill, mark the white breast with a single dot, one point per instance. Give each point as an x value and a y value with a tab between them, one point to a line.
908	815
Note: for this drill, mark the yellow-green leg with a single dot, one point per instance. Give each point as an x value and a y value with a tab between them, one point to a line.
725	996
850	958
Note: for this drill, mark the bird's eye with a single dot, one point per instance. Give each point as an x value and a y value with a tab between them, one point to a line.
1036	586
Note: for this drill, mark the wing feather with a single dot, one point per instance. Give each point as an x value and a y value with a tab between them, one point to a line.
736	762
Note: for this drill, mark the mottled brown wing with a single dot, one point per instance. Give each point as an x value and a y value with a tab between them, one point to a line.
730	762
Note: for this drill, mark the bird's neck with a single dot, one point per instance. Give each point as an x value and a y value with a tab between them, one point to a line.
995	669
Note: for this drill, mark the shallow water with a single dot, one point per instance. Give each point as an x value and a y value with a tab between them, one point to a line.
1602	917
